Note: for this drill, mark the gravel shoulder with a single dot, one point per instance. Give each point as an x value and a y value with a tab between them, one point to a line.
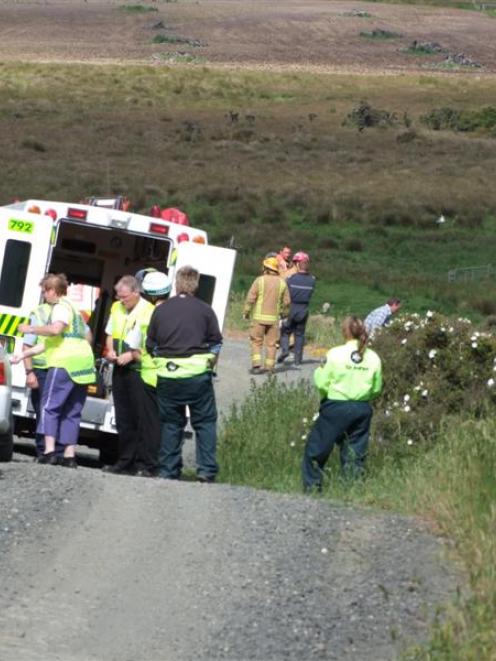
97	566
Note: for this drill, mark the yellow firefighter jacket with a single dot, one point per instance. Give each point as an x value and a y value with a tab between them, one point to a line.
268	299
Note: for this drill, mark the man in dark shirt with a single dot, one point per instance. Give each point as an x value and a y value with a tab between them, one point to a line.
185	338
301	286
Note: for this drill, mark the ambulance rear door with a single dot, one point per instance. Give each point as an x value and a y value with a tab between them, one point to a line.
25	242
216	267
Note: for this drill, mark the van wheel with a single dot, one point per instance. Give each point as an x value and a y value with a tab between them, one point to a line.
6	446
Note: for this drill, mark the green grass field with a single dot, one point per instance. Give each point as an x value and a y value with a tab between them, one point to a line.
267	158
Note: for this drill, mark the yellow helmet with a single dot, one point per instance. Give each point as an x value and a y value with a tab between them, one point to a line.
271	264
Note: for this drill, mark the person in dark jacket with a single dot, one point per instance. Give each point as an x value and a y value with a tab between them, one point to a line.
185	339
301	286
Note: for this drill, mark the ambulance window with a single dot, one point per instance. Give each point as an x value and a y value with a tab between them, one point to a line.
14	270
206	288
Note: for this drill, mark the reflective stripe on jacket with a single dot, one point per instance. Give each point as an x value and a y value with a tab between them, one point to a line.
184	368
71	350
269	298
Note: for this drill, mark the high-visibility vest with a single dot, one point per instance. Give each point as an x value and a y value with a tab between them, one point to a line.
258	315
71	350
123	323
148	368
184	368
40	317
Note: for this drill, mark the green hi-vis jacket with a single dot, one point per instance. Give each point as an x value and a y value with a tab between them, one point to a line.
348	376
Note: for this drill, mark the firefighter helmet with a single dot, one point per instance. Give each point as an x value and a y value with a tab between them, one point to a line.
271	264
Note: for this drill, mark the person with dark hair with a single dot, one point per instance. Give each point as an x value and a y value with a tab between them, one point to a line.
350	378
185	338
301	286
382	315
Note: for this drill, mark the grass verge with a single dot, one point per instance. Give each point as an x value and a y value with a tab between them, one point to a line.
452	485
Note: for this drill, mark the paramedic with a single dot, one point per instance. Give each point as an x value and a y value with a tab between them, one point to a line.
350	378
128	314
184	336
71	367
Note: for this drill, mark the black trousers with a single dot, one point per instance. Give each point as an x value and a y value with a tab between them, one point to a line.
149	437
128	395
295	323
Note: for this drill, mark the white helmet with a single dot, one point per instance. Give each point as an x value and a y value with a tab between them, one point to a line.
156	283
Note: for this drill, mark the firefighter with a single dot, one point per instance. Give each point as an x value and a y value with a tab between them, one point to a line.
71	367
301	286
267	300
128	315
156	286
185	338
349	379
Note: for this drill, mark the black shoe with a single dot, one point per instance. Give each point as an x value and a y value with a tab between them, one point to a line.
144	472
256	369
116	469
282	357
69	462
49	458
205	480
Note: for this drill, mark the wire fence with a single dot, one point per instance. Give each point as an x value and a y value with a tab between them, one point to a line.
471	273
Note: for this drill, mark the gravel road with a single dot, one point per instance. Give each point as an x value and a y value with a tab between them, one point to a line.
103	567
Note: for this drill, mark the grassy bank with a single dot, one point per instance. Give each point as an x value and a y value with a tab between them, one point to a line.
267	158
450	484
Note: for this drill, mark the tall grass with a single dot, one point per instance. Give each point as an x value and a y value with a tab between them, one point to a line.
452	485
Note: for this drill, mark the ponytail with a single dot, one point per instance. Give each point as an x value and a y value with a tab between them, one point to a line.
354	329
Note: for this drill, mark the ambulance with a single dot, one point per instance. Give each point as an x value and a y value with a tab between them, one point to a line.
94	245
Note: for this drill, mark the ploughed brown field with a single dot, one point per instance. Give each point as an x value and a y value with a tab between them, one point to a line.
316	34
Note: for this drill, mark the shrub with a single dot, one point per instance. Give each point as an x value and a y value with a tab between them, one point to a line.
35	145
365	116
380	34
447	118
137	9
433	366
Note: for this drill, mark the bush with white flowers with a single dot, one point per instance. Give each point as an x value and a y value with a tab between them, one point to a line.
446	367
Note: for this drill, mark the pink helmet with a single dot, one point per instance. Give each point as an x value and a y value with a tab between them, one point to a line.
301	257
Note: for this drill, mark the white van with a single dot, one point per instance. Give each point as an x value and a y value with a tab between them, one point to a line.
94	246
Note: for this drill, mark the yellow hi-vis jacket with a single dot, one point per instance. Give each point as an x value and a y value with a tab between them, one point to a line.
268	299
348	376
148	368
184	368
40	317
123	322
71	350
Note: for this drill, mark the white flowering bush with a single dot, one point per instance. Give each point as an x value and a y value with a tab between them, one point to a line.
433	367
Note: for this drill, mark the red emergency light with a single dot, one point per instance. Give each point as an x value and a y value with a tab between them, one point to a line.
158	228
77	214
3	376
